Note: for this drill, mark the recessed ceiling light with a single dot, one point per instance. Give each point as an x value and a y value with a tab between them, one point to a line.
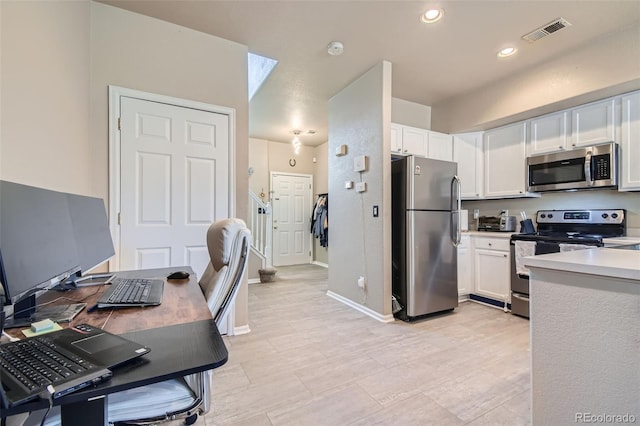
507	51
432	15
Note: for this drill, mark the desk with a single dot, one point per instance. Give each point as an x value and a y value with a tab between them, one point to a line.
180	332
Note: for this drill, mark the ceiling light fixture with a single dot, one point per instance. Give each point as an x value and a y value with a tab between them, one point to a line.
432	15
507	51
335	48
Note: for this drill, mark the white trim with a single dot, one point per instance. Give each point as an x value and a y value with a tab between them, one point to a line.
115	93
324	265
241	330
358	307
254	281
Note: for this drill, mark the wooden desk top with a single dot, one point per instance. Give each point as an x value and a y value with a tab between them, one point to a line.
182	302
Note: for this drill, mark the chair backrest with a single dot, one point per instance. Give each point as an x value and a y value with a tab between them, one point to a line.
228	242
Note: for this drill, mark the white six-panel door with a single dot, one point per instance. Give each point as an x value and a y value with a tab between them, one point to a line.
291	203
174	183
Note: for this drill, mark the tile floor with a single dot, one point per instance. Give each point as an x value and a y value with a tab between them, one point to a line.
311	360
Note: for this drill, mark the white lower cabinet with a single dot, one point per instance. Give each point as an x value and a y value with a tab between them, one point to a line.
465	266
492	263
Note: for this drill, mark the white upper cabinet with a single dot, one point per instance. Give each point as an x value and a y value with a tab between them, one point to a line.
593	123
414	141
467	152
396	138
440	146
630	143
548	133
505	162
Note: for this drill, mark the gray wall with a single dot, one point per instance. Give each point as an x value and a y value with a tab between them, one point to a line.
360	117
58	59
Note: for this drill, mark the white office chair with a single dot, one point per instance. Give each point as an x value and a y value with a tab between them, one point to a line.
228	243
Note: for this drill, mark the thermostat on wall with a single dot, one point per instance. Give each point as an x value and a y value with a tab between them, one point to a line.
360	163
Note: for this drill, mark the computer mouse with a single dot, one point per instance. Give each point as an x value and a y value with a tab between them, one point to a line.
178	275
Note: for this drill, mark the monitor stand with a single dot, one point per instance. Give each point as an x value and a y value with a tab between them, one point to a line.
56	313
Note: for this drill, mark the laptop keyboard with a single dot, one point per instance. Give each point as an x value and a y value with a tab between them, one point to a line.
131	290
38	362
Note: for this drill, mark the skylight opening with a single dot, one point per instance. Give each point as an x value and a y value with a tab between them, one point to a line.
259	69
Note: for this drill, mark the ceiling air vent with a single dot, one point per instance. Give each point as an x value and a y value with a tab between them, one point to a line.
547	29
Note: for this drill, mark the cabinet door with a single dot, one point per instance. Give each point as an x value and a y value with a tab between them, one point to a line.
414	141
396	138
467	152
593	123
465	267
492	275
630	143
504	161
440	146
548	133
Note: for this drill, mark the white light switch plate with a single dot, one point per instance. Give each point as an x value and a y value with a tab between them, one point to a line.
361	186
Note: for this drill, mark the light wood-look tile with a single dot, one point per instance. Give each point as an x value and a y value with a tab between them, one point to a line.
310	360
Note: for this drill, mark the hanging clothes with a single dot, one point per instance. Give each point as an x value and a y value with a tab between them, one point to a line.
320	220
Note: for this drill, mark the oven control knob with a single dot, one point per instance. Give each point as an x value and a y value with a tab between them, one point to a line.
550	215
604	215
543	215
614	215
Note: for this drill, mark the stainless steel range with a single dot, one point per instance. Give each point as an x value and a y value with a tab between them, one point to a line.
558	231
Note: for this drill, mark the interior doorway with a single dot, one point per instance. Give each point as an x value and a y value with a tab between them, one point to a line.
291	204
170	177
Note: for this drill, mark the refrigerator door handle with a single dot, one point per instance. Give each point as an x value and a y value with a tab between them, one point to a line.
455	210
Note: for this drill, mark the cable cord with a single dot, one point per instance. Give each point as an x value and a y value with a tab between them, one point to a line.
48	395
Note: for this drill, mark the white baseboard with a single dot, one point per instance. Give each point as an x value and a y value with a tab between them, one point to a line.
241	330
324	265
358	307
254	281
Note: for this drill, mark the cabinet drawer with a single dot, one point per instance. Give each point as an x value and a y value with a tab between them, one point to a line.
491	243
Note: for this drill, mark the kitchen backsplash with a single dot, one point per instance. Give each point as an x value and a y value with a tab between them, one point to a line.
581	200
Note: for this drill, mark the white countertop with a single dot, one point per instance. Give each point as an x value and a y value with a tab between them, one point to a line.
620	241
602	261
490	234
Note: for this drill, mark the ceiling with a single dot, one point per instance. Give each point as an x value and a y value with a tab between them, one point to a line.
431	63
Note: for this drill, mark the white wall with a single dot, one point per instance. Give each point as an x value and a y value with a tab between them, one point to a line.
598	69
58	59
360	117
410	113
44	121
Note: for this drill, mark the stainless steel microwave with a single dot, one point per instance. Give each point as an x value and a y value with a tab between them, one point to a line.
582	168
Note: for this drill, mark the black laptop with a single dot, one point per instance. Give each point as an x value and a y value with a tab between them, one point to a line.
68	360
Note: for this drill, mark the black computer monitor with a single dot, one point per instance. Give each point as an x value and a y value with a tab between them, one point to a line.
90	230
37	244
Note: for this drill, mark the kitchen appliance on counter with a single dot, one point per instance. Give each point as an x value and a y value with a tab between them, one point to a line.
582	168
425	231
559	231
502	223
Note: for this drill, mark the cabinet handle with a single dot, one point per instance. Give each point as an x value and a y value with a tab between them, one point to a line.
504	255
489	244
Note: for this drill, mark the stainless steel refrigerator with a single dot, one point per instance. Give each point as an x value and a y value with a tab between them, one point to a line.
425	234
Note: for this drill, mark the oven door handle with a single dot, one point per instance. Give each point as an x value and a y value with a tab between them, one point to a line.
587	168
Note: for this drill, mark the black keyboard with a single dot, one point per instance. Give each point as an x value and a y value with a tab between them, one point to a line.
38	362
131	290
